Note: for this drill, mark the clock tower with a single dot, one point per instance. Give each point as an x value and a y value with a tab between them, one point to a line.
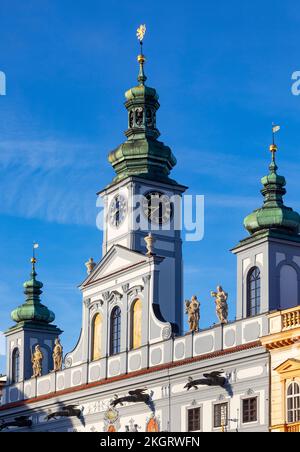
143	198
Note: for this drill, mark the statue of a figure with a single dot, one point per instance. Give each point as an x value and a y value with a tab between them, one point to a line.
57	356
221	298
193	312
37	361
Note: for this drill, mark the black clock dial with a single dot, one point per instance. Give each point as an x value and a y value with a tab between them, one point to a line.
117	211
157	208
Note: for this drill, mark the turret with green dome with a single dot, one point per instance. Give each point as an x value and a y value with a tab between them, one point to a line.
142	154
273	215
268	260
33	327
33	310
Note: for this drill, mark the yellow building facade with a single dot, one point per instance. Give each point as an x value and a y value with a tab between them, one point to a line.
284	346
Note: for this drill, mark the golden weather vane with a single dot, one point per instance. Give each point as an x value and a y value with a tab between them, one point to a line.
35	246
275	129
273	148
140	33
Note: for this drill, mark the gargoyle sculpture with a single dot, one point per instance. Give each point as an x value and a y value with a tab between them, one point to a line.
22	421
68	411
212	379
136	396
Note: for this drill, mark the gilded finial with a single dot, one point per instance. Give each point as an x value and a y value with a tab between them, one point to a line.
33	260
274	147
141	31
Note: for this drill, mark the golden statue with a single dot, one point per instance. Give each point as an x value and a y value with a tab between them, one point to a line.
221	298
193	312
37	361
57	356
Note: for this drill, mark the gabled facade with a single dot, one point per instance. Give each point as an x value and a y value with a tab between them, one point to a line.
127	283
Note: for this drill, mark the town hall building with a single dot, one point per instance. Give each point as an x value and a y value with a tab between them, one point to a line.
134	368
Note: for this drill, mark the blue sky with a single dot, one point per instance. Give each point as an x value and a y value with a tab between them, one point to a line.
223	71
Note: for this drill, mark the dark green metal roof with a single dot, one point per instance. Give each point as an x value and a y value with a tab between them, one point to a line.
142	154
273	215
33	310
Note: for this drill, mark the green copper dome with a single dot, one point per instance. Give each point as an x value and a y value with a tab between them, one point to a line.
273	215
33	310
142	154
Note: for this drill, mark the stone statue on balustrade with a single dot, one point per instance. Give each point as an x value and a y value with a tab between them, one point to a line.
57	356
37	362
222	310
193	312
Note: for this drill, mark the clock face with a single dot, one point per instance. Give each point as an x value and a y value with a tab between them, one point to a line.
157	208
117	211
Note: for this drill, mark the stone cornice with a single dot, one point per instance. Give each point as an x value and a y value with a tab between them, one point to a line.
142	372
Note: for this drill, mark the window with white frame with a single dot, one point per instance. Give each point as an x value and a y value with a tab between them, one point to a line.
221	415
253	292
194	420
250	410
293	403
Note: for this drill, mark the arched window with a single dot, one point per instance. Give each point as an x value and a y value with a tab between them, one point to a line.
115	331
253	292
293	403
16	366
96	337
136	325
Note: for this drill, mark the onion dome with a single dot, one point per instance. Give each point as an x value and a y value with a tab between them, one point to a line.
142	154
273	215
33	310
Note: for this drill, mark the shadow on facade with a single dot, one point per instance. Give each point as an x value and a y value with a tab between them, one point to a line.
58	419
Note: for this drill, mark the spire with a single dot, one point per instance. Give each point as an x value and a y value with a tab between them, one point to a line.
141	31
142	154
142	101
273	215
142	77
32	310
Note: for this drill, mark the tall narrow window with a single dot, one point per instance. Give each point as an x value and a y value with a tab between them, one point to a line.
136	326
194	420
253	292
115	331
221	415
16	366
96	337
293	403
250	413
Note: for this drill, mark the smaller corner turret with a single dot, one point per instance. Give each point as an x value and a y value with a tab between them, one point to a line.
33	328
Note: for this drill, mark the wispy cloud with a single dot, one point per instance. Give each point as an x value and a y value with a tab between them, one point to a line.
49	179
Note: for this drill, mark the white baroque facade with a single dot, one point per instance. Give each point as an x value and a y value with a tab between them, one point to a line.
132	316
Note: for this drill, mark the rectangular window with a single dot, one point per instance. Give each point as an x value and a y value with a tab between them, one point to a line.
250	410
194	424
221	415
